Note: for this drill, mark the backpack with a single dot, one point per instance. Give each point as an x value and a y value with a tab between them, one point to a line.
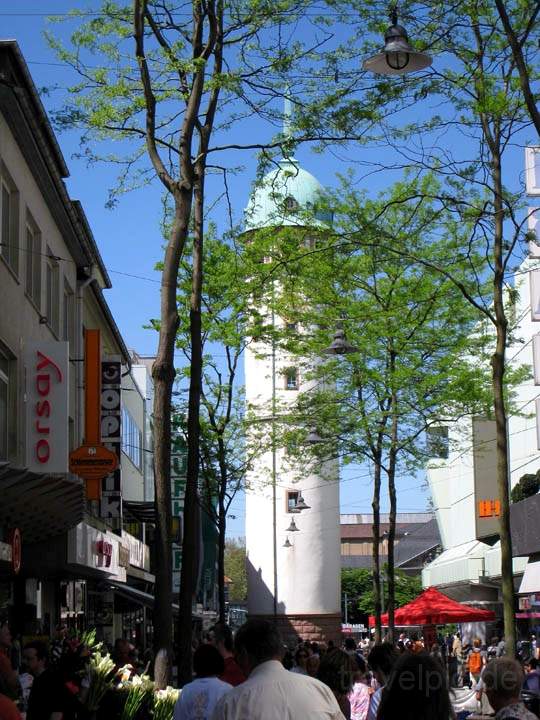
475	662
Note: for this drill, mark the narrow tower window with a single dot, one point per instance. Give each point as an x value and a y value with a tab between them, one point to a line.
292	501
290	204
291	378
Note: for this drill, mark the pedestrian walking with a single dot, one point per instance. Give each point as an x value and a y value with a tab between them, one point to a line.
198	698
300	662
532	676
360	694
476	660
417	690
503	681
8	674
381	660
220	636
49	697
337	670
271	692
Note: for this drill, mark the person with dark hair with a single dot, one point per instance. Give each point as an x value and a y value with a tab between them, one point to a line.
199	697
503	680
337	670
532	676
381	660
9	676
48	697
312	665
271	692
300	661
360	693
221	637
8	709
416	690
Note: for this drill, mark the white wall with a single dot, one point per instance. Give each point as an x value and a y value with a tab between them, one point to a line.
19	317
133	476
308	572
452	481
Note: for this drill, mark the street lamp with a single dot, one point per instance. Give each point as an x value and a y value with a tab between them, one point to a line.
340	345
301	503
397	57
292	527
313	437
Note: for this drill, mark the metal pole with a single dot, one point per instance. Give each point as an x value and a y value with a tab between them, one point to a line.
274	485
346	611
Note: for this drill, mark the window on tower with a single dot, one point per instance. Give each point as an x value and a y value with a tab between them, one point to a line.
291	378
292	501
290	204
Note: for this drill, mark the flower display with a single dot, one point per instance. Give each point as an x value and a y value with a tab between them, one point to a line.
164	702
100	675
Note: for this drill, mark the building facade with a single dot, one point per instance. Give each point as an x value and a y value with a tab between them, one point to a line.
416	539
462	474
62	558
293	576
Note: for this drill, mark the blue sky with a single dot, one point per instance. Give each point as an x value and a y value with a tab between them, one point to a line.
129	236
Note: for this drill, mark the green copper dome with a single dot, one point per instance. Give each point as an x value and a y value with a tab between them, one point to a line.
286	196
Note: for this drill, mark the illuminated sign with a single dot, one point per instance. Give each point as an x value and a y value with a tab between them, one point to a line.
486	493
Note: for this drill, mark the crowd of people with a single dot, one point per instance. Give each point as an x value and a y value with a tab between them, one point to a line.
48	680
255	677
364	681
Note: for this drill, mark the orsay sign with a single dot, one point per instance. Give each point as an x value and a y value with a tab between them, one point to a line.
47	420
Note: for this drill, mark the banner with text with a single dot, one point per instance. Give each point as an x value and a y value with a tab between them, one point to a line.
111	437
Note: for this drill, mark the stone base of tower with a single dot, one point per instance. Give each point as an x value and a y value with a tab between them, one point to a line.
315	628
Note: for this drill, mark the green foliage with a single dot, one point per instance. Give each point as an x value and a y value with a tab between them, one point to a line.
414	332
235	569
358	584
527	486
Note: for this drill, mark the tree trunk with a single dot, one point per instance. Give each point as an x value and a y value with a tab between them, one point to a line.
519	59
393	512
163	374
221	562
190	545
376	531
501	422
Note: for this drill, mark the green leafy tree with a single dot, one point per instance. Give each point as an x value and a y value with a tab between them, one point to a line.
472	108
235	569
358	584
225	454
411	334
527	486
168	81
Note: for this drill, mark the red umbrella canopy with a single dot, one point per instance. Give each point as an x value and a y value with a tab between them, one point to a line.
431	607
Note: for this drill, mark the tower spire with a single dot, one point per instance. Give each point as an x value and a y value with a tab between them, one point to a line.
287	119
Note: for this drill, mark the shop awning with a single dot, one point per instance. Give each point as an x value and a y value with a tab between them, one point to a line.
530	582
431	607
136	595
41	505
140	510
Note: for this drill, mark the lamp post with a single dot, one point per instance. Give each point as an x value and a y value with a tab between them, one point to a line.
397	56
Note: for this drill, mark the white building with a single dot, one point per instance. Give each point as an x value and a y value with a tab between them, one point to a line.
60	555
293	577
468	568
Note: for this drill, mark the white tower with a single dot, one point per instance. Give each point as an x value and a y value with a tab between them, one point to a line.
293	577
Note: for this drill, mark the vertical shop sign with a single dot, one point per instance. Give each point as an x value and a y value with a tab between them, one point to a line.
178	491
486	492
111	437
47	422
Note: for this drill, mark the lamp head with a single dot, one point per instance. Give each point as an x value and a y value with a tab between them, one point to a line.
397	57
